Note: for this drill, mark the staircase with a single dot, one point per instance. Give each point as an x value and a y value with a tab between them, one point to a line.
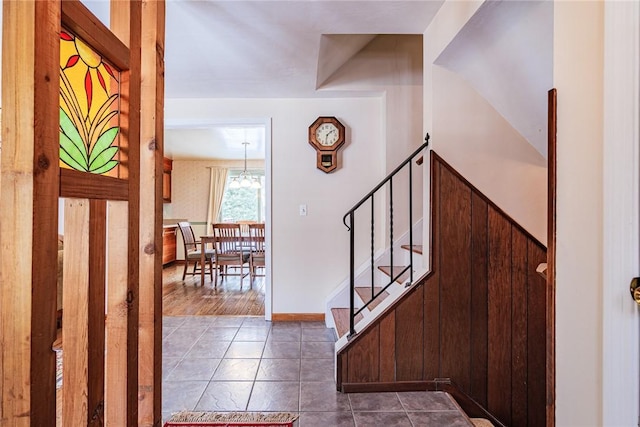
475	325
383	277
369	298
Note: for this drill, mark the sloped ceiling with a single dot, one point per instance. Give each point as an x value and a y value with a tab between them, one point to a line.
505	52
336	50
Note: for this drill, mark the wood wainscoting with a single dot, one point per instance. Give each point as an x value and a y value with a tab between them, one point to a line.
477	319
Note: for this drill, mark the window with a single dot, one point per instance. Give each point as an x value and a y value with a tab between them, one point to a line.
244	203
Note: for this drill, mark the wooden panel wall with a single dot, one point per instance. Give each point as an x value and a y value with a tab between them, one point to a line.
479	317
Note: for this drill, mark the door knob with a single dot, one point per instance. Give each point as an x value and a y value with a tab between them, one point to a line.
635	289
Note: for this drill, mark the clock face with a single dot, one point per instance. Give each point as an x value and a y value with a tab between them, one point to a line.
327	134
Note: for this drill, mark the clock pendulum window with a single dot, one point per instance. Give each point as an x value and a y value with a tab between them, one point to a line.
326	135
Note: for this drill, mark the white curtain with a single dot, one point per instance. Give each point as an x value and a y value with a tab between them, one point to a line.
217	181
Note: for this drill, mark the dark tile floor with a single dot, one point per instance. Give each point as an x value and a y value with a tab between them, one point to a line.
223	363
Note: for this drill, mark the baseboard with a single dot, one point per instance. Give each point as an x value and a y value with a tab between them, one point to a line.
297	317
389	386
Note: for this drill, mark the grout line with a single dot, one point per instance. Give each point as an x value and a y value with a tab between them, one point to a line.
405	409
353	415
253	384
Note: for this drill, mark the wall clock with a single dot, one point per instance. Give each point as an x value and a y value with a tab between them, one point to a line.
326	135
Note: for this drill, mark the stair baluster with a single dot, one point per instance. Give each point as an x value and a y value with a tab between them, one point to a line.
350	226
373	267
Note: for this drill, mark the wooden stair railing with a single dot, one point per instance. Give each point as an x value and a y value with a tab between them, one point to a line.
478	318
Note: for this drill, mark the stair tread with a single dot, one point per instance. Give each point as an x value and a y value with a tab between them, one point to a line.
416	248
341	319
365	294
396	270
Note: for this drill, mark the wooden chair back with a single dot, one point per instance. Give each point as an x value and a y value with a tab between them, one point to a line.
256	237
188	237
191	252
244	226
257	256
227	244
227	239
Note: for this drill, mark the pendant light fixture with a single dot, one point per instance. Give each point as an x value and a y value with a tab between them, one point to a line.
245	180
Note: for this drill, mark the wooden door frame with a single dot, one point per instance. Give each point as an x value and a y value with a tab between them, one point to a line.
551	256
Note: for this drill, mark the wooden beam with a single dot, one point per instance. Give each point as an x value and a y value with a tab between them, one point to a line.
151	156
75	300
92	31
83	185
126	24
44	245
28	208
96	310
117	313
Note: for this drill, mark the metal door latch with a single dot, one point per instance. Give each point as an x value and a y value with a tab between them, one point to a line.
634	288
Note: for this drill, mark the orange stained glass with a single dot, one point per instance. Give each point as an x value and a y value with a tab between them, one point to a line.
89	109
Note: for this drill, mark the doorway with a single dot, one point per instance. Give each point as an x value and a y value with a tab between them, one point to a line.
239	147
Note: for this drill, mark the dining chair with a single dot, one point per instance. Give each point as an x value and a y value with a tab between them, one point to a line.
192	253
256	256
244	226
227	245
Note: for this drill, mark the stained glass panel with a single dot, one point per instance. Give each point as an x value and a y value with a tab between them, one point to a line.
89	109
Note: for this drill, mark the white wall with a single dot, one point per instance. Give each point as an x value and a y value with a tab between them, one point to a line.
449	21
392	65
578	76
505	52
310	253
471	135
477	141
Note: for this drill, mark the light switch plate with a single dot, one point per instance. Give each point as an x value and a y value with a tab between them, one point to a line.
303	210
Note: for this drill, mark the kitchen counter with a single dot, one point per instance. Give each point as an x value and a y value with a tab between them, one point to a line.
169	241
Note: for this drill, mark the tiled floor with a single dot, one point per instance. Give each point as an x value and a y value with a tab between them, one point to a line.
223	363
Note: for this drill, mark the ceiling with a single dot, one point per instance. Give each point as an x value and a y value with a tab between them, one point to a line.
267	49
289	49
488	53
255	49
219	140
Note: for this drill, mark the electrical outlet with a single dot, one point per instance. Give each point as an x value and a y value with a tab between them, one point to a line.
303	210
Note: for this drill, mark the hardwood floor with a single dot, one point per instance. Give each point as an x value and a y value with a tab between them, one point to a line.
188	297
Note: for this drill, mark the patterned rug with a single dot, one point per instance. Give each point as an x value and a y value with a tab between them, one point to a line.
240	419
